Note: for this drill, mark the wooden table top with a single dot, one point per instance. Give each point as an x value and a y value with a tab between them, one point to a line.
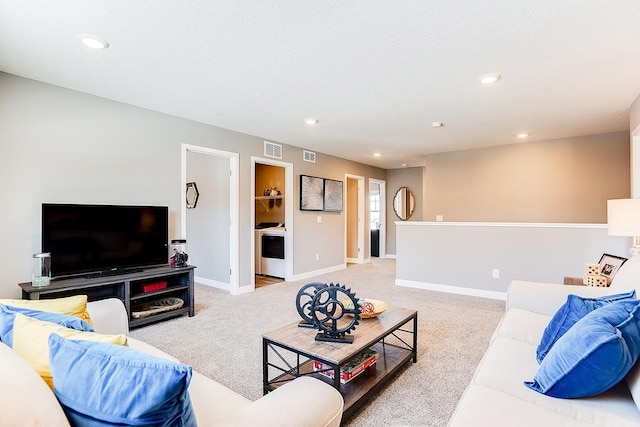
368	332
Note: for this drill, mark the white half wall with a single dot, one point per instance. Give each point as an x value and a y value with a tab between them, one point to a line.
461	257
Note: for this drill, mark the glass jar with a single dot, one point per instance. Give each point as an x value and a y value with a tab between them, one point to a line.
178	253
41	269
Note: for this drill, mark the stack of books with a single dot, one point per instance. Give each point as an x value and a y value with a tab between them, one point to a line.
351	369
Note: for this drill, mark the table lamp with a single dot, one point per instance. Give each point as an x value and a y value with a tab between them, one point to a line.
623	219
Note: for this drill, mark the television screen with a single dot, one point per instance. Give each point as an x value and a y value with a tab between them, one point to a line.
101	238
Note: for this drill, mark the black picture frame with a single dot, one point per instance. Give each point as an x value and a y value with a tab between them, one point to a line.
611	264
333	191
311	193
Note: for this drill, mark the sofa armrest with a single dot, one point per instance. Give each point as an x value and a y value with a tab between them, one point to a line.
303	402
546	298
109	316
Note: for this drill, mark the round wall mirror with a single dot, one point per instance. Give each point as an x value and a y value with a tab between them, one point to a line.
404	203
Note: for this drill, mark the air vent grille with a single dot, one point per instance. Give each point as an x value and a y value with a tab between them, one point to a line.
272	150
309	156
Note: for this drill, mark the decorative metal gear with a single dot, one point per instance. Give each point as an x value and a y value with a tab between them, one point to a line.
328	309
303	303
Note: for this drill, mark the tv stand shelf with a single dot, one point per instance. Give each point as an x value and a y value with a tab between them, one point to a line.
128	287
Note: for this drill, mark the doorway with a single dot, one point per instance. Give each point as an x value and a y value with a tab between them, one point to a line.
377	217
211	226
635	163
354	219
272	216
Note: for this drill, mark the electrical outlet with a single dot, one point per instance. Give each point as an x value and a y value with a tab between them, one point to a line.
319	219
317	257
496	273
439	218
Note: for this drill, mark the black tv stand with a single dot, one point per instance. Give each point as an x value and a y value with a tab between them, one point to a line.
114	272
130	286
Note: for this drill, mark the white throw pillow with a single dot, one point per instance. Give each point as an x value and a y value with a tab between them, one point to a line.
25	397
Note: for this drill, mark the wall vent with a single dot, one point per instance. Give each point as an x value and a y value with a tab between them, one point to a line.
309	156
272	150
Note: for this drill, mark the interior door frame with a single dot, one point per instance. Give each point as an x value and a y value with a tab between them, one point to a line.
288	214
361	218
234	208
635	163
383	214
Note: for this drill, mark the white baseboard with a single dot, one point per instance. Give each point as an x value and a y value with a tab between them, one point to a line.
212	283
452	289
244	290
391	256
308	274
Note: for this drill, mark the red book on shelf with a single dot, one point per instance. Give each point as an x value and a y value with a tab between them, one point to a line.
352	369
155	286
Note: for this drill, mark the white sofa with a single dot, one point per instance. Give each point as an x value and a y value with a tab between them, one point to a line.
497	395
305	402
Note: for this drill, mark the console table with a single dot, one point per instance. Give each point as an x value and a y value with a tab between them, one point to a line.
128	287
289	352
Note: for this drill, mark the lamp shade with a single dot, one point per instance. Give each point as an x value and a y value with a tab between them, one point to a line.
623	217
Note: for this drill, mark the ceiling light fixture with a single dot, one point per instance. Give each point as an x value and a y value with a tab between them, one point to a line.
311	121
437	124
522	135
404	165
487	79
94	42
377	154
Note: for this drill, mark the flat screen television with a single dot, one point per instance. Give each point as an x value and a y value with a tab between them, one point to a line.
102	239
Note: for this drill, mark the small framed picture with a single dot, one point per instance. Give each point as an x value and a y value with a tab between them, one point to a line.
610	264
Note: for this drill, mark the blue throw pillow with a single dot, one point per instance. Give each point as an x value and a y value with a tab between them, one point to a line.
594	355
8	314
100	384
573	310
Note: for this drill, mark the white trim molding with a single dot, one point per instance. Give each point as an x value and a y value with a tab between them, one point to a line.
460	290
308	274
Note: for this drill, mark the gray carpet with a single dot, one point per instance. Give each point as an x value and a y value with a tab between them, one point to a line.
223	341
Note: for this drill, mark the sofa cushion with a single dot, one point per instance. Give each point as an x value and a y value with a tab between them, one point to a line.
8	314
571	311
594	355
26	399
73	306
626	277
30	340
522	325
104	384
508	361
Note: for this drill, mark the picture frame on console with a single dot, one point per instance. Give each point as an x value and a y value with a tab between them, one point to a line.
611	264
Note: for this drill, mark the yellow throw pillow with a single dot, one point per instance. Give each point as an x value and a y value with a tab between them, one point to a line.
31	341
73	306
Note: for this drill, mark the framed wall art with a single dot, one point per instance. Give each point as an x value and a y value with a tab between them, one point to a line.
311	193
332	195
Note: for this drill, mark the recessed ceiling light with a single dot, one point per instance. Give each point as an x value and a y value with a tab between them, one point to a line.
311	121
404	165
377	154
94	42
522	135
490	78
437	124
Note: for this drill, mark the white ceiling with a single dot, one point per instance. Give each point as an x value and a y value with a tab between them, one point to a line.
375	73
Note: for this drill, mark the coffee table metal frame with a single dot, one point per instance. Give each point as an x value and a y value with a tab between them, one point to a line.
394	334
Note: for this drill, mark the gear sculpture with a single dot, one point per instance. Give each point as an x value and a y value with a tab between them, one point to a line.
303	303
328	309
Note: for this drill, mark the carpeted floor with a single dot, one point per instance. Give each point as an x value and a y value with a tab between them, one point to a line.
223	341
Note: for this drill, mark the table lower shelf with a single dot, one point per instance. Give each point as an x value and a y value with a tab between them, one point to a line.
356	392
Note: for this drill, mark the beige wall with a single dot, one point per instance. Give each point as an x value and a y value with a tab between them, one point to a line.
64	146
396	178
567	180
634	114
